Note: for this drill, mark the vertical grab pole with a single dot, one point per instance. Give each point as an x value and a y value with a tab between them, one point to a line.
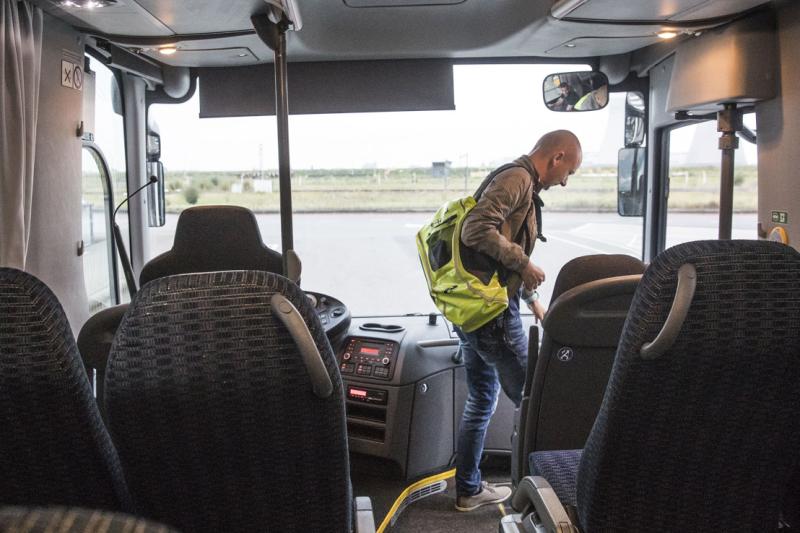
729	121
274	35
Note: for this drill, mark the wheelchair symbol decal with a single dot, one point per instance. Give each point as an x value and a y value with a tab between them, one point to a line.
565	355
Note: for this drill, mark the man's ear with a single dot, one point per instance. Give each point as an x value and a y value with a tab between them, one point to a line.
558	157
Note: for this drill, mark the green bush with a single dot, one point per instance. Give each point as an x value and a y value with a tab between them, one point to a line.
191	195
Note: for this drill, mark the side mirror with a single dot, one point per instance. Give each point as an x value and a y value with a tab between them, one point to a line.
575	91
630	181
156	196
116	97
634	119
153	147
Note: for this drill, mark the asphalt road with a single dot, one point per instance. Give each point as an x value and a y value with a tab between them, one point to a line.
369	261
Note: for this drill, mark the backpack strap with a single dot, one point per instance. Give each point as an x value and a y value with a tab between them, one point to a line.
485	183
537	201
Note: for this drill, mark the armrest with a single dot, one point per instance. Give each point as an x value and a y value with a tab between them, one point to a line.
536	498
364	520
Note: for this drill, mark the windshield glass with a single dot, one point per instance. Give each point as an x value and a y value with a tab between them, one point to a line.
364	183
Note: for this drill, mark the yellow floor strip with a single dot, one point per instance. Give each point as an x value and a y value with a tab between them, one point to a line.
502	509
411	488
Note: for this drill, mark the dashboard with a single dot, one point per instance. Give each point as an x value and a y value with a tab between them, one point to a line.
404	388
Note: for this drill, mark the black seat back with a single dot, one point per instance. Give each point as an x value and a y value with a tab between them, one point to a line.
54	448
73	520
211	238
591	299
207	239
214	414
705	436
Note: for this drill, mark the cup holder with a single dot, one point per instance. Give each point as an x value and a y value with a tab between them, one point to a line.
384	328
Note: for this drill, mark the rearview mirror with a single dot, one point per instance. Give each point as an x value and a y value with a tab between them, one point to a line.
575	91
634	119
630	181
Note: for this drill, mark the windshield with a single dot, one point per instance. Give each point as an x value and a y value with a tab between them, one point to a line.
364	183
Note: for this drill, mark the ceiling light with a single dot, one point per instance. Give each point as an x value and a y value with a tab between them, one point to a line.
241	55
570	45
167	50
667	34
87	4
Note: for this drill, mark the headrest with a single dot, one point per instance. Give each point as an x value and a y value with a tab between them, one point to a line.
213	238
593	267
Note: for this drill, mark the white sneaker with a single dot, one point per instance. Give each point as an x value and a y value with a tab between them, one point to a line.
489	494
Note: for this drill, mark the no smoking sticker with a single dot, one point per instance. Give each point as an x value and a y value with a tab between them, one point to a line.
71	75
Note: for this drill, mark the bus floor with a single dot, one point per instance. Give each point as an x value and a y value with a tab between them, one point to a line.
437	514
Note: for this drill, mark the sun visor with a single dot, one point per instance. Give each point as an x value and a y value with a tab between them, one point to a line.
735	64
329	87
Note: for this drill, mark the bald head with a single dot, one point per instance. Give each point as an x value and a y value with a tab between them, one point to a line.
556	156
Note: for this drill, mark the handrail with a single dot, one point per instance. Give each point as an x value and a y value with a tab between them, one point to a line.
312	359
437	343
684	292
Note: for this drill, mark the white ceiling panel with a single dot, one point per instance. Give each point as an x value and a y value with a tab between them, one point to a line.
126	17
205	16
664	10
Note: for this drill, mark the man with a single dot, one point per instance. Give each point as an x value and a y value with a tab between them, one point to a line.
502	226
568	97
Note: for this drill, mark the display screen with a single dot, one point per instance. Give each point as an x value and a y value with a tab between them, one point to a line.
370	351
357	393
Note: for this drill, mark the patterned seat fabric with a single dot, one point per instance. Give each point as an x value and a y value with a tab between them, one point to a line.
560	469
54	448
213	412
73	520
706	436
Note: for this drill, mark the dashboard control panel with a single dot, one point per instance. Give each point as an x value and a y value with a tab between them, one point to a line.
368	358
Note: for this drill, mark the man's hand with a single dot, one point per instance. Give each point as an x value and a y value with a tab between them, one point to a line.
532	276
538	310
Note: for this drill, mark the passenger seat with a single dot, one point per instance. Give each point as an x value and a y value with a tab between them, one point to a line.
207	239
225	401
698	429
566	382
54	448
73	520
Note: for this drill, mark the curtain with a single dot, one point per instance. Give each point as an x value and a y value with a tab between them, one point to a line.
20	69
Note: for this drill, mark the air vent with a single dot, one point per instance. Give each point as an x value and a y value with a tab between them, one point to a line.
400	3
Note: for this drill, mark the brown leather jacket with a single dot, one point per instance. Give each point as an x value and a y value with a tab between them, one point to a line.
502	226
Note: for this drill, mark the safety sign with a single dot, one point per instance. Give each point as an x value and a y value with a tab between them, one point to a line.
71	75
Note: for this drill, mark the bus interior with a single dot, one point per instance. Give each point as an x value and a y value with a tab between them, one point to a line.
173	171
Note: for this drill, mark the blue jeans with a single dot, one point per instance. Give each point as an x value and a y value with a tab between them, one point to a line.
495	355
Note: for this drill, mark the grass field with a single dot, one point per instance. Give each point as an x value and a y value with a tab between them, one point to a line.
693	189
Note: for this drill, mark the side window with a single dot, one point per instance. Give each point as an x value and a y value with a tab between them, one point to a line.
694	185
109	137
98	271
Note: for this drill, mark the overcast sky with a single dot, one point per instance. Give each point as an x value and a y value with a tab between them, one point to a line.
499	115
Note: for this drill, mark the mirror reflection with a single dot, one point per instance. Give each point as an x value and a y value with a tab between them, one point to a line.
576	91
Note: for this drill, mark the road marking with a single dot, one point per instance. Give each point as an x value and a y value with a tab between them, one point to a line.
579	245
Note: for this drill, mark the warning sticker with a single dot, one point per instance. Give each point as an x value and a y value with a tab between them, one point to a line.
71	75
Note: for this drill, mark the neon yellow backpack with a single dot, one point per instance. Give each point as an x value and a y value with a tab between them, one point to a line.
462	298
